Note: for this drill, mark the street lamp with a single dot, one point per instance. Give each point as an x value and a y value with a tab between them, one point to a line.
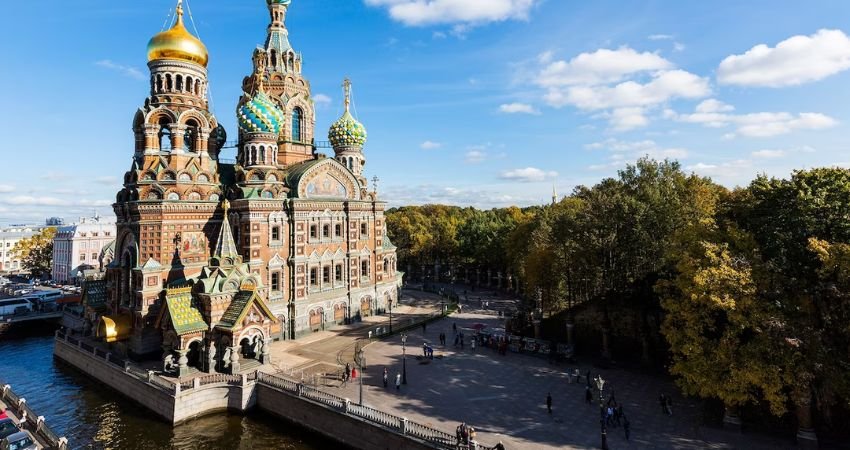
600	384
361	361
404	359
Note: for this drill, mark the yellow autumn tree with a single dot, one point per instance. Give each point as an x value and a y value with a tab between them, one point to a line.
36	253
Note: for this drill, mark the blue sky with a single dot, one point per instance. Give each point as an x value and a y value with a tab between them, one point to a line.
468	102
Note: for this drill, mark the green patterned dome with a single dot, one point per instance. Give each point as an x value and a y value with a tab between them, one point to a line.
347	132
260	115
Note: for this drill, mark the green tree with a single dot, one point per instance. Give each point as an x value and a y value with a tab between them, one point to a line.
36	252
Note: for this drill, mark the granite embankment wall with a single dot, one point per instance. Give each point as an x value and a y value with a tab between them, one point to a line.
358	426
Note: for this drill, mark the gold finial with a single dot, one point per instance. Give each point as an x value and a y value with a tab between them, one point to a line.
226	205
346	87
179	9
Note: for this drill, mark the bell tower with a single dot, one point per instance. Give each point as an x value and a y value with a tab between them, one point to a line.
280	68
172	191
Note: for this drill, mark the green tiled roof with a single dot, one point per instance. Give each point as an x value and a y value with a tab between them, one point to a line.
185	317
239	307
387	244
94	294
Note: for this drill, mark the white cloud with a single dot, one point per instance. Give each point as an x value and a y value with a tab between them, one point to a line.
768	154
522	108
128	71
430	145
660	37
763	124
545	57
796	60
678	47
321	99
432	12
527	175
55	176
664	86
624	151
624	119
475	156
479	197
5	188
731	172
601	66
107	180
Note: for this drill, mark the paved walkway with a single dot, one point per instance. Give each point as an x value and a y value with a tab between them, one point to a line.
503	397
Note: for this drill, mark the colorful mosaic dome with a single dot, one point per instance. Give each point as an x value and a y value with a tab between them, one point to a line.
347	132
260	115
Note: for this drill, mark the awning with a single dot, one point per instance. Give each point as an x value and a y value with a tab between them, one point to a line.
115	328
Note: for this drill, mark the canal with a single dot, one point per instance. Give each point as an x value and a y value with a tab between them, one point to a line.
92	416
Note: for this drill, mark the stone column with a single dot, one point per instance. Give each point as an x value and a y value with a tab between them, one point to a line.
265	357
806	436
178	134
182	363
151	138
211	357
234	359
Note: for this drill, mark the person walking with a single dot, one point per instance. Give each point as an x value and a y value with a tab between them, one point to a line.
549	402
386	377
663	400
627	427
397	381
353	373
347	373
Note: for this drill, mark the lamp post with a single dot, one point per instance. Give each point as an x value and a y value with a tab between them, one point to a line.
600	384
404	359
391	316
361	361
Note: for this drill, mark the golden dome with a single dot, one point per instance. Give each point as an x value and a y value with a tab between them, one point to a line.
177	43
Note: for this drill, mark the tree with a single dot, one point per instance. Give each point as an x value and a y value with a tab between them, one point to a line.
36	253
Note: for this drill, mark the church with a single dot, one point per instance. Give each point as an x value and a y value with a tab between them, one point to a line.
215	259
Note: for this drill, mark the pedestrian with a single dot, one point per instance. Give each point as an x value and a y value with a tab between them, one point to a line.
397	381
609	416
549	402
627	428
386	377
663	400
347	372
353	373
473	345
588	395
424	349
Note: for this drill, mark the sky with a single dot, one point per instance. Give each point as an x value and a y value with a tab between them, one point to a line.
487	103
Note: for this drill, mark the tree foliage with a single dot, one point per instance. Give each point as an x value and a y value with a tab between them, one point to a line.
36	252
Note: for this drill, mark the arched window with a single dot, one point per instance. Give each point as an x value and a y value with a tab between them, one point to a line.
198	88
271	178
194	196
273	58
338	230
153	195
296	124
386	265
164	135
214	197
174	196
179	83
159	84
191	136
169	85
189	84
203	178
262	154
326	231
364	268
185	178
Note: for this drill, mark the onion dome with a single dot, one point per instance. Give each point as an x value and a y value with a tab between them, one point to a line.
260	115
347	132
219	136
178	44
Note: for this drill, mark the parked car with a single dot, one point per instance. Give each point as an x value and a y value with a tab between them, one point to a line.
7	426
21	440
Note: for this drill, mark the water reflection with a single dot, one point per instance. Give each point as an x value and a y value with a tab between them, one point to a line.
93	416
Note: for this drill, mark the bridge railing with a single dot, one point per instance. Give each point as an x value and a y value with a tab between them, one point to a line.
31	421
438	439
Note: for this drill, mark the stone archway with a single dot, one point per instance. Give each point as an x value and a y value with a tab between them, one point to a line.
195	354
339	313
366	306
251	343
316	319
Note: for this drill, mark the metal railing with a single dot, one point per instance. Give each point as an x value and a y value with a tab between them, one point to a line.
31	421
438	439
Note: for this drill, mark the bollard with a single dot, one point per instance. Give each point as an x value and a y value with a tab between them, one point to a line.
347	405
244	380
403	425
196	383
150	376
177	387
126	366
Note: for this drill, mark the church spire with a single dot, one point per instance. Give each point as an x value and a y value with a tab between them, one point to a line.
226	246
554	194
